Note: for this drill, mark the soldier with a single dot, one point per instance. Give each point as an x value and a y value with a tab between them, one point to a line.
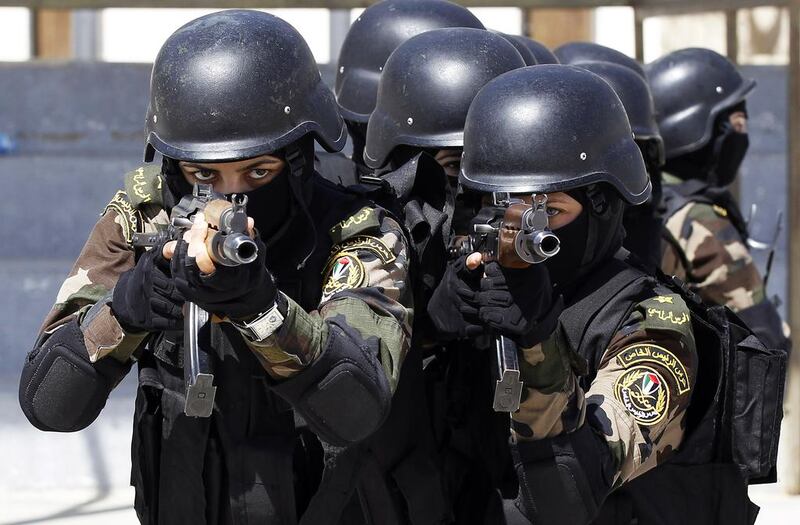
414	142
598	407
700	100
319	322
415	133
643	223
369	42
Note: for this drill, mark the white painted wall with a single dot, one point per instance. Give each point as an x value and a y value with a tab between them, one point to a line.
15	34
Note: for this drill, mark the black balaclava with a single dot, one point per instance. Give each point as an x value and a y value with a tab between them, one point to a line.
271	205
593	237
717	162
358	136
402	154
176	182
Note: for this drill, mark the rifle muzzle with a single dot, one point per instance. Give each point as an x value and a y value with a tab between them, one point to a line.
537	246
233	249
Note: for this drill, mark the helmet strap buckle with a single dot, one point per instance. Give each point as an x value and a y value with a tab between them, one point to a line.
596	199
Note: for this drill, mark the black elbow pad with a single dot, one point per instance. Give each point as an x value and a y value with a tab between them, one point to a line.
60	389
344	395
563	480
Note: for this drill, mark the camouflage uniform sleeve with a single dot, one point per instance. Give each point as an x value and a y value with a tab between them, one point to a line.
720	267
638	398
365	294
84	295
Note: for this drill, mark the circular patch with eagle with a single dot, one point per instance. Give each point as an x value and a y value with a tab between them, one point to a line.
644	393
345	272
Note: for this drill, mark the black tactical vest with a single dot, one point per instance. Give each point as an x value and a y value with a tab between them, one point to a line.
705	481
249	462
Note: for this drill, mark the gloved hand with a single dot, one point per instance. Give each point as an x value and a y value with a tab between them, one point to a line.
518	303
452	307
145	298
237	292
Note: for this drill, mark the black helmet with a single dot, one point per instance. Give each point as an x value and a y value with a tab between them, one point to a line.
634	93
579	52
522	48
237	84
691	88
539	50
427	86
372	38
550	128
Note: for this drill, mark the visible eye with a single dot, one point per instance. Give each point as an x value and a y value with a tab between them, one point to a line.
203	175
259	173
552	212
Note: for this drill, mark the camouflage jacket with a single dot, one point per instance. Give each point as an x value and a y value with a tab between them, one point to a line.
708	252
365	290
634	396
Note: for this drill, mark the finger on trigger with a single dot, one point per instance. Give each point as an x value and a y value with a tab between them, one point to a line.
474	260
169	250
251	227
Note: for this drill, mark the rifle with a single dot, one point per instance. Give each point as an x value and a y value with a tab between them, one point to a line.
229	245
759	245
516	235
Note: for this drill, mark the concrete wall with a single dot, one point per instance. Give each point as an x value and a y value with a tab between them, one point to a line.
78	129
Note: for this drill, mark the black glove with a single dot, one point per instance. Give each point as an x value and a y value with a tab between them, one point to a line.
237	292
452	307
145	298
518	303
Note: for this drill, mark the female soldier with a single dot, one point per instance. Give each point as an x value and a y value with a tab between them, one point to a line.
606	353
414	141
320	319
700	99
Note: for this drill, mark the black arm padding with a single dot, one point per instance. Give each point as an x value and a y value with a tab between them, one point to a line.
60	389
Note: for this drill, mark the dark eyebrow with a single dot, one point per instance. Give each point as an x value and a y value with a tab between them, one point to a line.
257	164
198	166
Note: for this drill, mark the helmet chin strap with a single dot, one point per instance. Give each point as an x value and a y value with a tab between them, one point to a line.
296	159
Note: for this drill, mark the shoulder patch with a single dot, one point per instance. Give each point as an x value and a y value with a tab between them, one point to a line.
363	220
369	243
128	217
344	272
143	185
666	312
644	394
649	353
